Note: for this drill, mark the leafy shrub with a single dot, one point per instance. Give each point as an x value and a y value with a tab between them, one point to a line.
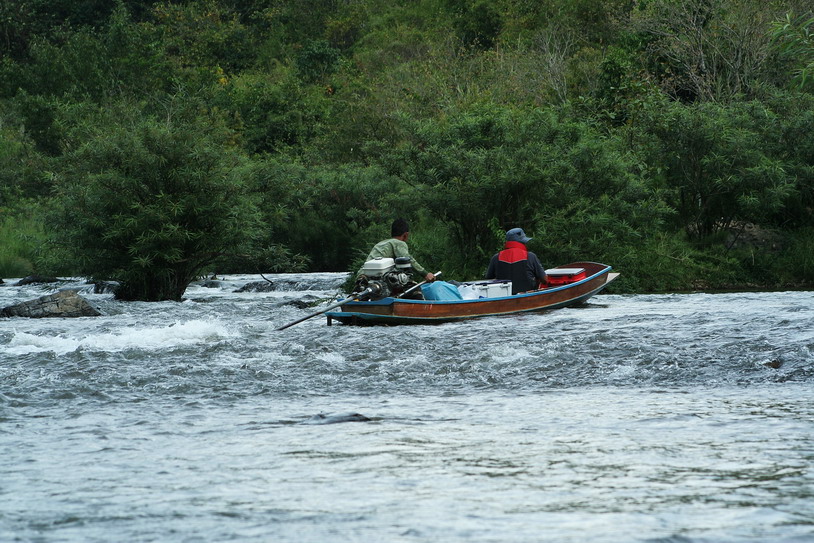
794	264
316	60
21	233
151	203
489	169
273	112
718	163
329	211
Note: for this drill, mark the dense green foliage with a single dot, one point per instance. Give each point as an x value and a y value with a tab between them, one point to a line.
150	202
151	142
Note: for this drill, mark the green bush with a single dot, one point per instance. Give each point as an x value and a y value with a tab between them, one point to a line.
491	168
151	203
273	112
316	60
21	233
669	262
719	164
794	265
331	213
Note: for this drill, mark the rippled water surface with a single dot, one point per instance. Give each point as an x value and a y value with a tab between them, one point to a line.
669	418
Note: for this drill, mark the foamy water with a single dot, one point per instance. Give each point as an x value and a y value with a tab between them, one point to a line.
178	334
675	418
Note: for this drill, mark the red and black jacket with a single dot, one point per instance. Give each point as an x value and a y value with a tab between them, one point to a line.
515	262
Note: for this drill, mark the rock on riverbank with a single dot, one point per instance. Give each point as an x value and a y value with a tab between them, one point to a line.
66	303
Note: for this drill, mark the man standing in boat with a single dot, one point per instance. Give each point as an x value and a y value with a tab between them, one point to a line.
396	247
516	263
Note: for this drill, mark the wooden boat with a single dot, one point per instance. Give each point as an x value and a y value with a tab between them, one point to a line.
572	288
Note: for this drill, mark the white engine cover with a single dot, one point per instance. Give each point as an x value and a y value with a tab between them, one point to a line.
378	267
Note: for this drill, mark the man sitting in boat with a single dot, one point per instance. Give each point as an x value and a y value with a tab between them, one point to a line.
396	247
516	263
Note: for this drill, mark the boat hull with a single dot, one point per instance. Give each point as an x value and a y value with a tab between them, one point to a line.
401	311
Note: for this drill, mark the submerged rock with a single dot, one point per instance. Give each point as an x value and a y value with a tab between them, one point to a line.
257	286
322	418
66	303
306	302
211	283
34	279
105	287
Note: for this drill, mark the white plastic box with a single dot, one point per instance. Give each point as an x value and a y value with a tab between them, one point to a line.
500	289
490	289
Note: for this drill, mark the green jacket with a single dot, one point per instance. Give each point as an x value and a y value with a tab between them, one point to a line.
393	248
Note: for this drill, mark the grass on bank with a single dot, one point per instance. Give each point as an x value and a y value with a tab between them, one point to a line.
20	235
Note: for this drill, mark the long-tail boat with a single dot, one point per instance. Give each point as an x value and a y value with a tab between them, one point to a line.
568	285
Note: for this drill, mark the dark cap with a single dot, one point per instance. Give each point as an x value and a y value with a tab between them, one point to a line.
517	234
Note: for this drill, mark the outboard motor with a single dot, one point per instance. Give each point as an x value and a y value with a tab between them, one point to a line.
384	277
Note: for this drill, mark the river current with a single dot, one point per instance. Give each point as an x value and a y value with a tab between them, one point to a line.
682	418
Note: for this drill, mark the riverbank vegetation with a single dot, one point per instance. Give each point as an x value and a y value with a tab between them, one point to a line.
155	141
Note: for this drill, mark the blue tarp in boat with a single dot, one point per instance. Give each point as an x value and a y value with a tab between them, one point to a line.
440	290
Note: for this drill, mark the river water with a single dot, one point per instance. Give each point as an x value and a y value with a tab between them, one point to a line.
635	418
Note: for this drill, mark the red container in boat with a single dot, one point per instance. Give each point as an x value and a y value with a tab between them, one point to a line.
563	276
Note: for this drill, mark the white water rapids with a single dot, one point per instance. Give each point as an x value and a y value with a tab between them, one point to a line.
683	418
